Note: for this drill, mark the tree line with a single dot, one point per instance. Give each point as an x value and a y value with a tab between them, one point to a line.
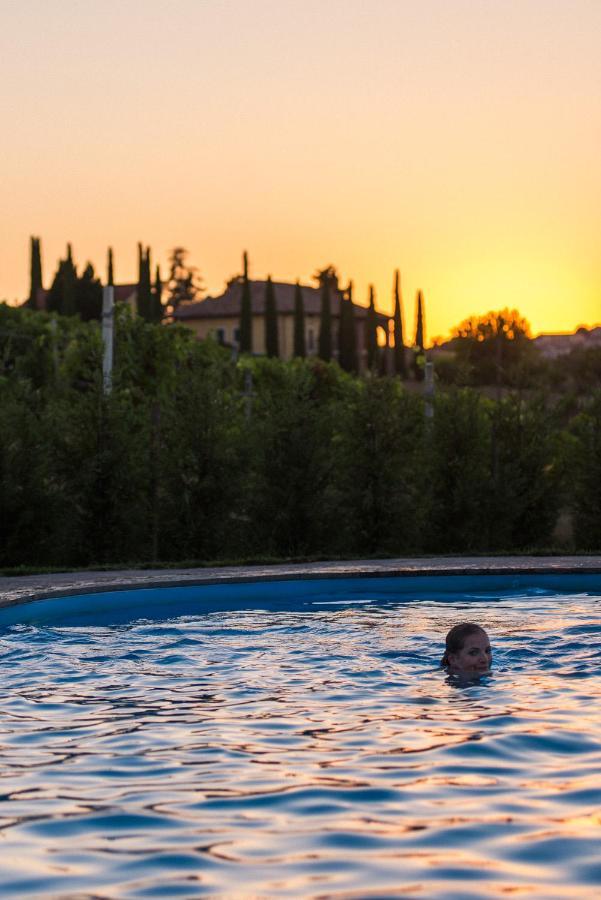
197	456
492	349
72	293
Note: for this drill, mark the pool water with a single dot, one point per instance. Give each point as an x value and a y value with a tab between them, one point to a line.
315	752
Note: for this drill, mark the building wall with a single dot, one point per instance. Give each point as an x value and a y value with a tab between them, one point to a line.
202	328
229	328
286	335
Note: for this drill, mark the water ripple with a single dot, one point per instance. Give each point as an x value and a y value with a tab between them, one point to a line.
320	754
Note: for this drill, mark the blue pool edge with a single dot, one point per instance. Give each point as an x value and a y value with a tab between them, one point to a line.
413	575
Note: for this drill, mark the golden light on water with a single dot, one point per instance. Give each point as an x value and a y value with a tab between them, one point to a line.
331	754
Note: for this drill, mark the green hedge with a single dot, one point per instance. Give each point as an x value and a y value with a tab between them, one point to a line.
195	455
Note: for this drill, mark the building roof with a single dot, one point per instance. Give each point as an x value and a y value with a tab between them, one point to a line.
229	303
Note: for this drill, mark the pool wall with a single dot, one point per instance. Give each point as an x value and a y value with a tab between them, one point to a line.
118	597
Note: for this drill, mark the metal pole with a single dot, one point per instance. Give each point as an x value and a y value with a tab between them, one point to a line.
108	305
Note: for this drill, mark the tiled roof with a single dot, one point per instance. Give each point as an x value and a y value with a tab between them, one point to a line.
228	304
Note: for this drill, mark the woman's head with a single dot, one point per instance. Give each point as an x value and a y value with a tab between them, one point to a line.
467	649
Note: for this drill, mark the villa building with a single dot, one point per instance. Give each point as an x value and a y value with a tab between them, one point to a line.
220	316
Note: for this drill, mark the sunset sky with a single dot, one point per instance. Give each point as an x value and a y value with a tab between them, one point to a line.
458	140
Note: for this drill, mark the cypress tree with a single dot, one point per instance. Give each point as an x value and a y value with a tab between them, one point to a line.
347	344
325	327
420	353
157	297
400	366
144	298
35	283
353	354
62	294
148	283
299	322
69	285
71	294
139	291
271	320
343	330
89	295
420	328
55	294
110	279
246	324
371	331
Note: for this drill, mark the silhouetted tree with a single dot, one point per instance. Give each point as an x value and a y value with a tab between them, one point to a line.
144	299
184	283
35	282
371	331
157	295
88	294
62	295
246	315
494	347
300	349
325	325
329	274
71	294
352	331
347	345
271	320
419	356
400	366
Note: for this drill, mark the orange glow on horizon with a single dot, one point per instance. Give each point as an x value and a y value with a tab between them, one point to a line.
456	142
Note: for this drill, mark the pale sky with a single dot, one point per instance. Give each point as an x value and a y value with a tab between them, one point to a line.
456	140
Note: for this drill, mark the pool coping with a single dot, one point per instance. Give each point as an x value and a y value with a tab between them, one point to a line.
20	589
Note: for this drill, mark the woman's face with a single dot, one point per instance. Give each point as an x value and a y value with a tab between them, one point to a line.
474	656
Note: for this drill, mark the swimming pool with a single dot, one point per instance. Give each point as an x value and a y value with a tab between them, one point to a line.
300	739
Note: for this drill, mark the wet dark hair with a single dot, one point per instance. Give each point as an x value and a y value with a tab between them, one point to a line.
456	639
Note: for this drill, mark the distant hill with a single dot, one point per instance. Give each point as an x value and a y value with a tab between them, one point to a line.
552	345
549	345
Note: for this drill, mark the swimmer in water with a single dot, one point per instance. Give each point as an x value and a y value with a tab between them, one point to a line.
467	650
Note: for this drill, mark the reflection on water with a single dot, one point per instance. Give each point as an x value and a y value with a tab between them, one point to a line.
318	754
